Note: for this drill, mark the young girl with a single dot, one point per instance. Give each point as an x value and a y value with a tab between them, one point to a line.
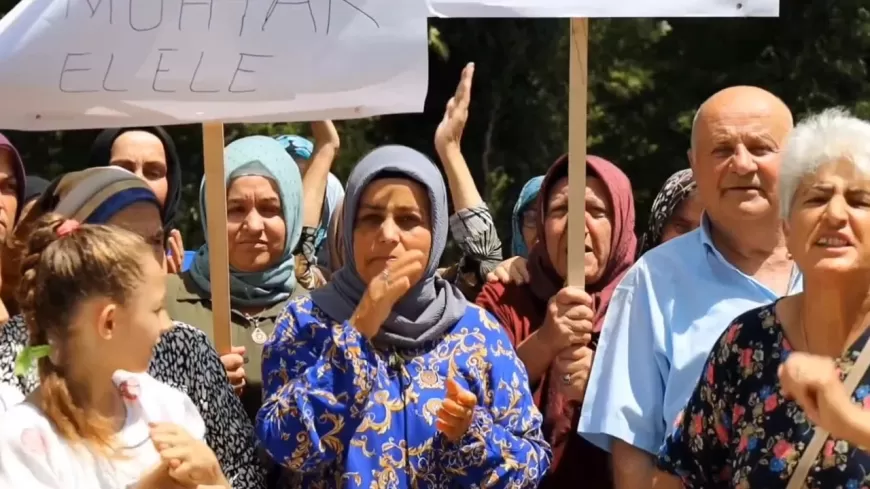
93	299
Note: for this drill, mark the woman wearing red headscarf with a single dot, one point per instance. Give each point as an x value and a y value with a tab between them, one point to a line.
554	328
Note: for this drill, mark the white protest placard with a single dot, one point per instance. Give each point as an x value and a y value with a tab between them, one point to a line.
78	64
602	8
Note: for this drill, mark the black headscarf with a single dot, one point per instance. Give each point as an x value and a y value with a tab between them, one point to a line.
101	154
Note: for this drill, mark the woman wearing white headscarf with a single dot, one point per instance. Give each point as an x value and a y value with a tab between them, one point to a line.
388	377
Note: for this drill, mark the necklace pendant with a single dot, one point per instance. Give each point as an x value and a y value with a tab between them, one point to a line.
259	336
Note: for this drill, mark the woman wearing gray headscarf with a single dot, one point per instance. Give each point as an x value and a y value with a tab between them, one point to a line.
387	377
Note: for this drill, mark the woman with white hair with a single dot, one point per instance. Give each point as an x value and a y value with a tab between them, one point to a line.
742	426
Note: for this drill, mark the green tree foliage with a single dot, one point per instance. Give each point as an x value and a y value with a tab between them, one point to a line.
646	78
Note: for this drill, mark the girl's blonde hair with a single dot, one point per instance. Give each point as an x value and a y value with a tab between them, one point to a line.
64	265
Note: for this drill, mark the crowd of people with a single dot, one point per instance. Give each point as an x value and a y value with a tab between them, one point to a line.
725	346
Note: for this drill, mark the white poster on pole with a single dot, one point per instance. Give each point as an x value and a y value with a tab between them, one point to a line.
604	8
77	64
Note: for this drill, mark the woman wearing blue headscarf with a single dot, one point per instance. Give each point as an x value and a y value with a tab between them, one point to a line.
524	218
387	376
264	221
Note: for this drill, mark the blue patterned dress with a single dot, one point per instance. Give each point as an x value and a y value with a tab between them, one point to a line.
339	413
739	432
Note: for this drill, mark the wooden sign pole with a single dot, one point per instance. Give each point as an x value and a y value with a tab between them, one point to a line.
216	213
577	97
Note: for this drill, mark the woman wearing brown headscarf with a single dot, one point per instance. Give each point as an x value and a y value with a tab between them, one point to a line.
554	327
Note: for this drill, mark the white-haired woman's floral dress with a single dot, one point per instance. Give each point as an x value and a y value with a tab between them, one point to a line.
738	430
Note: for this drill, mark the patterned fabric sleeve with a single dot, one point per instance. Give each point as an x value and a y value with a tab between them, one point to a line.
504	446
699	448
307	274
14	336
317	380
227	429
474	231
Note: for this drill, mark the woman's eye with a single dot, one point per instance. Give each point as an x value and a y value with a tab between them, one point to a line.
409	220
368	221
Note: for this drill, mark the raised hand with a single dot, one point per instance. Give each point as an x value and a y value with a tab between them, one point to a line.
814	383
456	411
325	134
449	132
386	289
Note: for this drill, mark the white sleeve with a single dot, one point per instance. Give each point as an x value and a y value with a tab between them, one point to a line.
161	403
9	396
187	415
25	459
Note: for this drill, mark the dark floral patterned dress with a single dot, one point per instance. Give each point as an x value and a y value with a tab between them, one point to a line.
738	431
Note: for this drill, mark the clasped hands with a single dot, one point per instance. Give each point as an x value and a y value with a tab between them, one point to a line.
567	332
185	462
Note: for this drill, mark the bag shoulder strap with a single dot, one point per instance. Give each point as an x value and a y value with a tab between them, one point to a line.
820	435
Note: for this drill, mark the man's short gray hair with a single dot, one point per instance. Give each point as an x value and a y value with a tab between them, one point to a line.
829	136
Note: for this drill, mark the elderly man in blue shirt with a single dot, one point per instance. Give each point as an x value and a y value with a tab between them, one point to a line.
676	301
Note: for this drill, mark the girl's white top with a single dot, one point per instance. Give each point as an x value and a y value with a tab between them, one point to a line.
33	456
9	396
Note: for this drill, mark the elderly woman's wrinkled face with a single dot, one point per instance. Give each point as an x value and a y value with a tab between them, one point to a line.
829	225
142	153
393	217
686	217
143	218
599	229
256	231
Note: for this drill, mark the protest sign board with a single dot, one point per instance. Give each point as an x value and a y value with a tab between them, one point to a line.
75	64
599	8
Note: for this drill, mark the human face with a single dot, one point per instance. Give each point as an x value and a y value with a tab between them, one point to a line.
8	193
530	226
256	231
143	218
686	217
143	154
393	217
132	329
736	156
828	229
599	229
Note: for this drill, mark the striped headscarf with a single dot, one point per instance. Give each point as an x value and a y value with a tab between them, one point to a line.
101	155
94	195
90	196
